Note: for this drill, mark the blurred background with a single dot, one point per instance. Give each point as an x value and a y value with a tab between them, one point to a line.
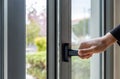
36	39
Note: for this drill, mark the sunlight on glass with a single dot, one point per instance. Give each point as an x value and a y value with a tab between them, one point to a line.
80	31
36	39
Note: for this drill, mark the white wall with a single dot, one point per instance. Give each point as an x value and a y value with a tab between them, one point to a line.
116	47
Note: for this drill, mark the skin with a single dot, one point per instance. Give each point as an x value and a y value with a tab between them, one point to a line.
97	45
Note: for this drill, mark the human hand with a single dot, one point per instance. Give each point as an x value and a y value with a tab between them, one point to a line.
97	45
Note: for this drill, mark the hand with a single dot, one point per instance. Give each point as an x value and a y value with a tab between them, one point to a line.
97	45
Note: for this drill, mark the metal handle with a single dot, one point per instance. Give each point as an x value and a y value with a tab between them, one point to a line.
67	53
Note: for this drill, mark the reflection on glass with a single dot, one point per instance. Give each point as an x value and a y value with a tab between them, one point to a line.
36	39
81	10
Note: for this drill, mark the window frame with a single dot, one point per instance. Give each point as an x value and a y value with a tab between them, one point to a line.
5	41
15	45
2	39
64	36
108	25
15	39
51	40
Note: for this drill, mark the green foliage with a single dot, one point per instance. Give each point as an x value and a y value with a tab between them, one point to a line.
37	63
80	68
40	42
81	28
32	29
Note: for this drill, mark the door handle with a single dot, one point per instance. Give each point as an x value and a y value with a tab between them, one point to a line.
67	52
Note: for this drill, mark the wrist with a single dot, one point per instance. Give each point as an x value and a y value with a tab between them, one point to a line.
108	39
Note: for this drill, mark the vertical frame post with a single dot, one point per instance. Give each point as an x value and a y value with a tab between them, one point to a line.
2	39
16	39
51	39
108	25
65	35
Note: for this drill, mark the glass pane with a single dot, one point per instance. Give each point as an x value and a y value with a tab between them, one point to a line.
36	39
84	26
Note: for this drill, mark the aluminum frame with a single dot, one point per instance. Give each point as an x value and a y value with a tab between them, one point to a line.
2	39
16	39
108	25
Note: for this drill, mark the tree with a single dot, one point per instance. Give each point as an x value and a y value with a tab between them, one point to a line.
81	28
33	30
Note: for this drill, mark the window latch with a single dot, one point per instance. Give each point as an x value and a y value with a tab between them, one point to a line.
67	53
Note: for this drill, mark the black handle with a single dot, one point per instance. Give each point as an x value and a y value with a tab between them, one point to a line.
67	53
73	52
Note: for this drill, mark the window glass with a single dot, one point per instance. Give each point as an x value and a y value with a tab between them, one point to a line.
85	25
36	39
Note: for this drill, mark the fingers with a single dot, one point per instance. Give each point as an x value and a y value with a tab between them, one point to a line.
85	56
87	48
86	51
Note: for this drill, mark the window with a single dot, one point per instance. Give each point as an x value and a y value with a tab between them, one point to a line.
81	27
84	20
15	41
36	39
62	20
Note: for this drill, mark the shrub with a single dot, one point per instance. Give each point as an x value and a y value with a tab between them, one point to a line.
40	42
37	62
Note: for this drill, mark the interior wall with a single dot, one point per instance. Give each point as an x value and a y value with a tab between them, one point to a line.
116	47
